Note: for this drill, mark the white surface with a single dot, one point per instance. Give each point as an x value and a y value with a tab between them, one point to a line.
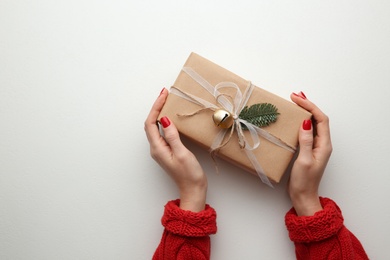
77	79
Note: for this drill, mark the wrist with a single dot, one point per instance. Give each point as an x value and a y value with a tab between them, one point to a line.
193	199
306	205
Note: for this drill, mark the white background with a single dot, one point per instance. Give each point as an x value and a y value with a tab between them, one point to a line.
78	77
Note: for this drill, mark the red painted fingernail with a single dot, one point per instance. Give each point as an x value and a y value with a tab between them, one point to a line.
162	91
165	121
300	94
306	124
295	94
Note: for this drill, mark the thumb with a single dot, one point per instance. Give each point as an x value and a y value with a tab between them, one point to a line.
171	135
306	141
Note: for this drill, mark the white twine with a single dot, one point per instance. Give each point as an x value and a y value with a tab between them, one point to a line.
234	109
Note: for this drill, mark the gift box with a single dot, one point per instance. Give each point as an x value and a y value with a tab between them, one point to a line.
202	88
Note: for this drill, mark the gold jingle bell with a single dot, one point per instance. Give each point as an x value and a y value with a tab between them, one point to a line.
223	119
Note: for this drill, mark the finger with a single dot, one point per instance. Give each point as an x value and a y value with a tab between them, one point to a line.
151	127
322	121
171	136
306	142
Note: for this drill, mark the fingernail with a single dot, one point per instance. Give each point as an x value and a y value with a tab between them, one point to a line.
306	124
165	121
162	91
300	94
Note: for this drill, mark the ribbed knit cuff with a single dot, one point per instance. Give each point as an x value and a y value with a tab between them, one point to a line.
188	223
324	224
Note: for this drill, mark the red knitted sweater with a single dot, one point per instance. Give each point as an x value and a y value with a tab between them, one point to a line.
186	234
322	236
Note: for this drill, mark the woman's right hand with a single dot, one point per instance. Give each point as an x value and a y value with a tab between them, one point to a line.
314	154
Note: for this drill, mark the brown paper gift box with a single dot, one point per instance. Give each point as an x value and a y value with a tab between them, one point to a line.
201	129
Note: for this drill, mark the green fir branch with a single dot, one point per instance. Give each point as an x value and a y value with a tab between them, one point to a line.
260	115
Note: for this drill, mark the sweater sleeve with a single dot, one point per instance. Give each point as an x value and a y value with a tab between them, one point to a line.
323	236
186	233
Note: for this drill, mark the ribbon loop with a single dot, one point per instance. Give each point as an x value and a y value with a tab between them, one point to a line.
234	106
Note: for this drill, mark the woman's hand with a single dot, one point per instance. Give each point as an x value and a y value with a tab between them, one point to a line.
176	159
311	162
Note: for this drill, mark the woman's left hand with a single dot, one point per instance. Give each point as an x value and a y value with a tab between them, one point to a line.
170	153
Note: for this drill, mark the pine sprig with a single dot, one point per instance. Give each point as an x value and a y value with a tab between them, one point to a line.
260	115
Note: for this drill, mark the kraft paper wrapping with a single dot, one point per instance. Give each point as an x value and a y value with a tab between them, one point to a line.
201	129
